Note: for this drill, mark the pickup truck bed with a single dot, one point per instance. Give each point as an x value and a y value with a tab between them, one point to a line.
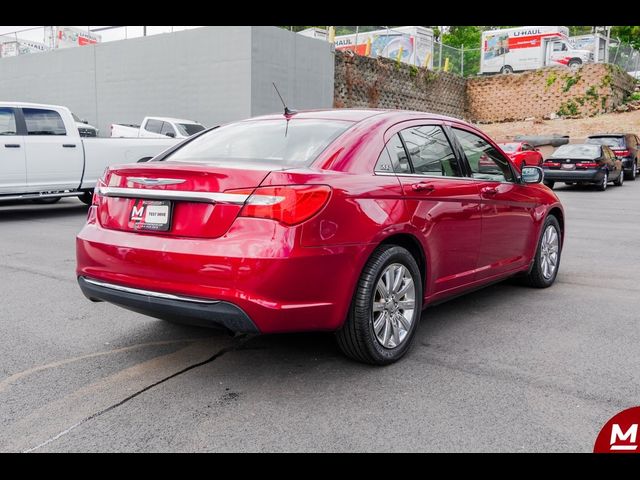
42	155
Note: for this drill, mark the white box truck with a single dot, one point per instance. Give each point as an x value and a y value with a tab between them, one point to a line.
416	43
528	48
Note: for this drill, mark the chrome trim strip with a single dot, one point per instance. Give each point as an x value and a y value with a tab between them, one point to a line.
156	181
138	291
184	195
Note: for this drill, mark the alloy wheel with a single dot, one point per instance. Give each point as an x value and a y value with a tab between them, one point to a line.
549	252
393	304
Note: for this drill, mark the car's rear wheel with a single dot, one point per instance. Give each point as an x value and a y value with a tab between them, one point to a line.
86	198
620	180
632	174
547	261
549	184
602	186
575	64
506	70
385	310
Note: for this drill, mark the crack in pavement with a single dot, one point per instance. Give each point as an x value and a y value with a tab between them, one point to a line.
241	339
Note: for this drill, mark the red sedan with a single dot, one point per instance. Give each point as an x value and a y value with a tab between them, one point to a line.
522	154
341	220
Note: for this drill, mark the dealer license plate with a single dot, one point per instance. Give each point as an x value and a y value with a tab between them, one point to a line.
154	215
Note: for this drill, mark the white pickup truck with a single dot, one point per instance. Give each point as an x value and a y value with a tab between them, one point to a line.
157	127
43	157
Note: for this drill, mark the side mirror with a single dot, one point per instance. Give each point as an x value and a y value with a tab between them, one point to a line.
85	121
532	175
170	134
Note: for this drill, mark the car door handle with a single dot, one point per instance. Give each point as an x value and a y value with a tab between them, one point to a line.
489	190
422	187
11	145
69	145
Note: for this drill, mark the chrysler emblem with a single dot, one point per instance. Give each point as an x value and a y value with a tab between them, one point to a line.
156	181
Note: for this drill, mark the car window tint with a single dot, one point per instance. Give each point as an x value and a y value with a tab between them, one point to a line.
398	155
43	122
7	121
153	126
430	151
485	161
167	128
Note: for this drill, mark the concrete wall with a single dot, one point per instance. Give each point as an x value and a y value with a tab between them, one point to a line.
211	74
383	83
301	67
549	92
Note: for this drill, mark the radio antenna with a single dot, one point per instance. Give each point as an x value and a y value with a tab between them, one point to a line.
287	111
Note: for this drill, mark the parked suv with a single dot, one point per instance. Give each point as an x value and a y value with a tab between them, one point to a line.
624	146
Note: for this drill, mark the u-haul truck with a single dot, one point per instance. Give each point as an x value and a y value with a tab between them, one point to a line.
528	48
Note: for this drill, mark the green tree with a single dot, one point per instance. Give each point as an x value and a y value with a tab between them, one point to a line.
458	36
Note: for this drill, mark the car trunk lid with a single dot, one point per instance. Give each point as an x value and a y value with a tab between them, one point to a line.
176	198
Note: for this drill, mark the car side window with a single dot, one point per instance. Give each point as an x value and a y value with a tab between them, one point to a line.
43	122
167	128
430	151
485	161
7	122
153	126
526	147
393	157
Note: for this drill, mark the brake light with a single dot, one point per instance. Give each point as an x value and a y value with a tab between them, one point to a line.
95	201
551	164
291	204
587	164
621	153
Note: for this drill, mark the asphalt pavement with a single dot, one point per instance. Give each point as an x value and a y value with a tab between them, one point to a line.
507	368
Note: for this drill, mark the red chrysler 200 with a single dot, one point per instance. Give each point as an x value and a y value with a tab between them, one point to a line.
340	220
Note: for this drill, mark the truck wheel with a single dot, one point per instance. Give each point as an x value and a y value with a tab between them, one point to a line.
46	201
506	70
575	64
86	198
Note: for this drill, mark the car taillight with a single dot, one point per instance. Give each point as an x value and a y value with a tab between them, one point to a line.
621	153
291	204
587	164
551	164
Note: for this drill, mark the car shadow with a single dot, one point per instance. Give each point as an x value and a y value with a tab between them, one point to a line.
17	211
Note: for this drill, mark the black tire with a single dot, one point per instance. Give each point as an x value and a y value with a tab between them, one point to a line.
357	338
506	70
47	201
575	64
86	198
620	180
631	176
602	186
549	184
535	277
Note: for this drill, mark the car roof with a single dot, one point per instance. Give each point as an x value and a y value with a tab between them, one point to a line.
357	114
175	120
29	104
608	135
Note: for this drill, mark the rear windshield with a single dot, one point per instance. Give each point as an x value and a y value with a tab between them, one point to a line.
289	142
509	147
613	142
189	129
577	151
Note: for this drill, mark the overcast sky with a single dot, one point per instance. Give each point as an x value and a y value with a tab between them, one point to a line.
37	33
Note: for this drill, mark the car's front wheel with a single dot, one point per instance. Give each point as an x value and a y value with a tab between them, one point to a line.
386	308
545	265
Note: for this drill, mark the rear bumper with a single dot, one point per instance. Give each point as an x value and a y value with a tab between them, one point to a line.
258	273
628	164
205	313
573	175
